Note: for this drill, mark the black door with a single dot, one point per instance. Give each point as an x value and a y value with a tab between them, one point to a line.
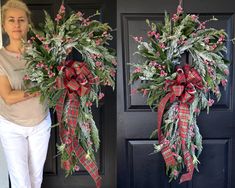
135	121
105	115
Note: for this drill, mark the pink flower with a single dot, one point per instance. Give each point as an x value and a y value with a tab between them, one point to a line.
179	9
39	37
86	126
210	102
157	35
40	65
157	53
26	77
182	41
104	34
66	165
62	9
58	17
138	39
194	17
163	73
202	25
221	39
137	70
68	141
98	63
217	90
51	74
206	89
151	33
214	46
174	147
76	168
88	103
166	142
152	63
42	38
79	14
93	56
224	82
145	92
196	110
210	70
98	42
175	18
60	68
114	61
162	45
46	46
206	62
86	22
133	91
101	95
159	67
113	72
98	55
207	40
91	34
226	71
176	173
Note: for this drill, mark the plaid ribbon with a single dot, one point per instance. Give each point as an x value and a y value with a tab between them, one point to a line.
184	116
182	89
76	81
76	77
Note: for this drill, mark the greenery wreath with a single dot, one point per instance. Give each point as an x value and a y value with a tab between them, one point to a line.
180	90
70	85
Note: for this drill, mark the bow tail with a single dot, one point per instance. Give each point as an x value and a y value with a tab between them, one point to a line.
89	165
166	151
60	105
184	116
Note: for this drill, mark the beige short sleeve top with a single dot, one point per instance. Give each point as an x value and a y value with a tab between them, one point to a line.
26	113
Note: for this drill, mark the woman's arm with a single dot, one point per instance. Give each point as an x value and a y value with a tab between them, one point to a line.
11	96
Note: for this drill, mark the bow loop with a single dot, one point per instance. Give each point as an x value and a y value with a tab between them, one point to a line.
76	77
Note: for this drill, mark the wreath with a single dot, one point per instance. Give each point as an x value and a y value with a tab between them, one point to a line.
177	89
70	85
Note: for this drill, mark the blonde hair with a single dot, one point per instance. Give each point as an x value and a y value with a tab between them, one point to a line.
18	4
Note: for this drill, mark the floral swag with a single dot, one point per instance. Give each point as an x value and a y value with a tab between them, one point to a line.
177	89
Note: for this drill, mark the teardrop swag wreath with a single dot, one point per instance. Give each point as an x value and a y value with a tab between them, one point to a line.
70	86
180	90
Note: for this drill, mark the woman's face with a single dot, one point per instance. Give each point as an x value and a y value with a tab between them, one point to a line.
16	24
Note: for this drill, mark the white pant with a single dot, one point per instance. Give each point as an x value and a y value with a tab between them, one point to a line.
25	149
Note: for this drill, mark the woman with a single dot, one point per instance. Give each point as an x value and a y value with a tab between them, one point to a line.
24	121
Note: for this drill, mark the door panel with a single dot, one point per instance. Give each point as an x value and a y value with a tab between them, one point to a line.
137	167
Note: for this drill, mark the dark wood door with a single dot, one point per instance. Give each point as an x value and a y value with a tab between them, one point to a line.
135	122
105	115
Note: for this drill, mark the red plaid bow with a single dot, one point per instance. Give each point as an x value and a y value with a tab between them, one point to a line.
76	81
183	90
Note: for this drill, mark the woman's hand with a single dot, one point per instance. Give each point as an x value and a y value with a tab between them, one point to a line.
11	96
30	95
